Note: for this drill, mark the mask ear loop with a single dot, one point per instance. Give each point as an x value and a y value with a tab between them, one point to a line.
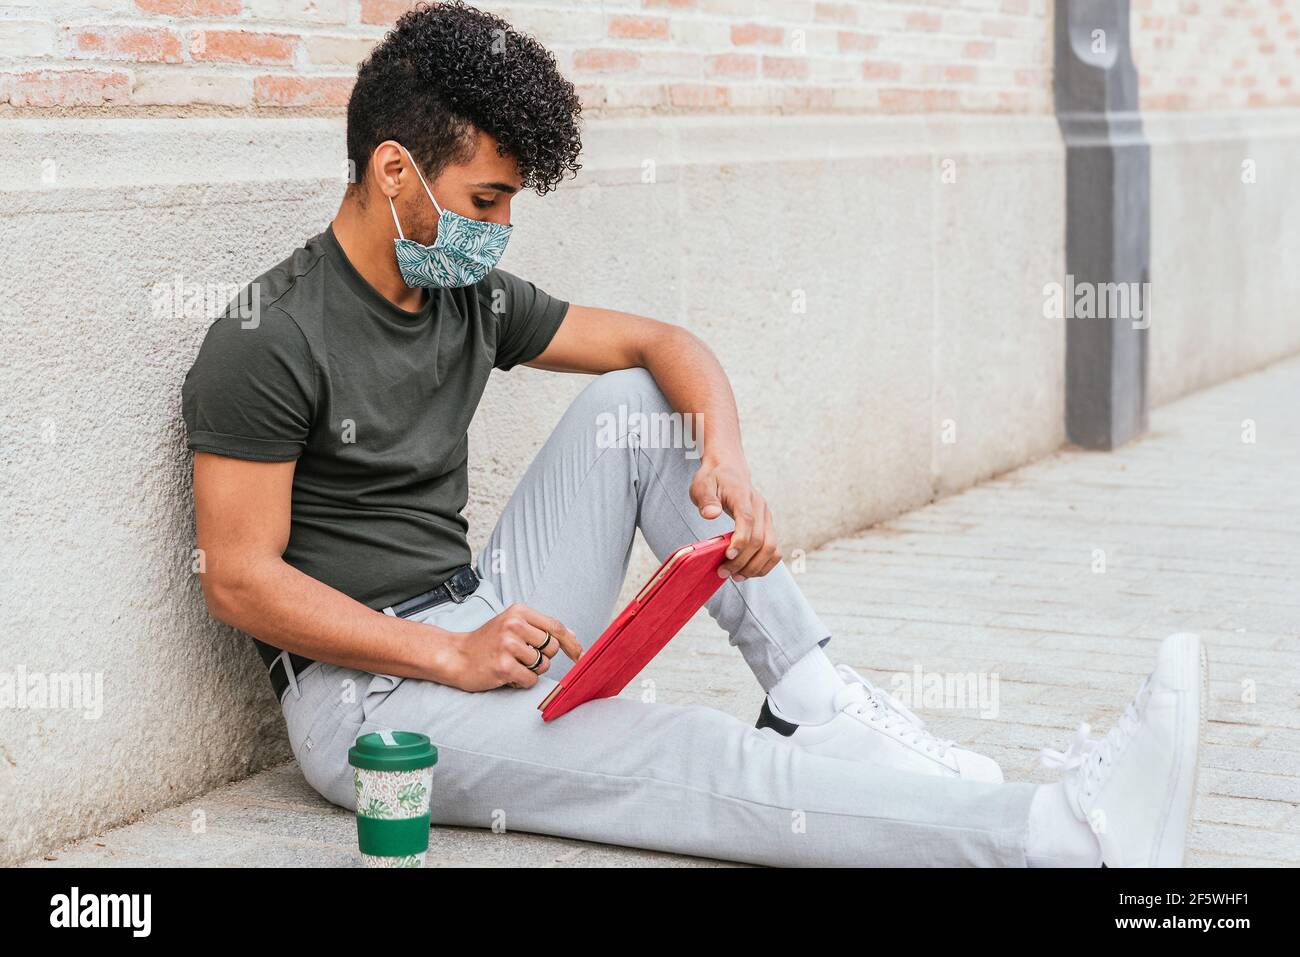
422	182
400	234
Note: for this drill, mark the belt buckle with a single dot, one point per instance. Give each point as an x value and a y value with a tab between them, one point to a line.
458	594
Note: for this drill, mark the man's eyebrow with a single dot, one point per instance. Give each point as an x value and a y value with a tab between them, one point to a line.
500	187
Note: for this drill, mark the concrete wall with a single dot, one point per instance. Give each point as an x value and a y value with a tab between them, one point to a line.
1225	287
922	316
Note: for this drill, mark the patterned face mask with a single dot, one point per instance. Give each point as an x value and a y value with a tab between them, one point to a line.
462	254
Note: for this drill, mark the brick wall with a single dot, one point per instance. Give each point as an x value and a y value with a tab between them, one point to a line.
626	55
637	55
1217	54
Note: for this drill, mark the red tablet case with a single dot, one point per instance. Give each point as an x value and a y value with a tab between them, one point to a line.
677	591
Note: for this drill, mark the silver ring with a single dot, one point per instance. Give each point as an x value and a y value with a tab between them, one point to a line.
533	666
549	639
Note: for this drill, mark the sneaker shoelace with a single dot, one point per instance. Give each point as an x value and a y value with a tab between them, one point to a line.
864	698
1091	758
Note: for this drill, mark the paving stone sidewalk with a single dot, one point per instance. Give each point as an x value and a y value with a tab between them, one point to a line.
1057	580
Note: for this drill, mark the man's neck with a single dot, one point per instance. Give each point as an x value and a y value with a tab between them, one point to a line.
371	253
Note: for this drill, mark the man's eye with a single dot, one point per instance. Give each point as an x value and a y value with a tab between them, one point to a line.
481	203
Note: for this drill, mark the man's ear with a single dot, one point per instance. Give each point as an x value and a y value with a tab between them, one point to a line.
387	169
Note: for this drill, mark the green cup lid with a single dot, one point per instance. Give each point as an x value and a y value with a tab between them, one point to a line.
392	751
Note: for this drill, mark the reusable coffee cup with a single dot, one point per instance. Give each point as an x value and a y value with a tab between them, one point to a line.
393	774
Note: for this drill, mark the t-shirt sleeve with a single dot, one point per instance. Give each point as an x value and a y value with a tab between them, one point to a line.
527	317
251	392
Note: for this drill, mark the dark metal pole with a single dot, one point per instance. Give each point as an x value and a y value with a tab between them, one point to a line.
1108	221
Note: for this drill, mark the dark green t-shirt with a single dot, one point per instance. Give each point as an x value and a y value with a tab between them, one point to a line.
373	401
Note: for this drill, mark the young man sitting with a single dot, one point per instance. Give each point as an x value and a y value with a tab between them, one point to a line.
331	471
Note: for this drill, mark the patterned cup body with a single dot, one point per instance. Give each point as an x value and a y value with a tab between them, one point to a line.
393	816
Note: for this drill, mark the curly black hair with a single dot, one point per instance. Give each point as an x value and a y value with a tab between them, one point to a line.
448	68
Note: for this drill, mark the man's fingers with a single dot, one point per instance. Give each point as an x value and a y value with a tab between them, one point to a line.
545	624
526	653
513	672
753	541
768	553
739	547
518	621
704	493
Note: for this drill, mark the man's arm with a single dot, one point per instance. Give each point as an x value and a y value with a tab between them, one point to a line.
242	519
691	378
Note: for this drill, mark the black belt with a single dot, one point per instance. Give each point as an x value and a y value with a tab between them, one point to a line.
457	588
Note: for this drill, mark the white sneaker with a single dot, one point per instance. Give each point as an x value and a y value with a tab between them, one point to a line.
1136	786
873	726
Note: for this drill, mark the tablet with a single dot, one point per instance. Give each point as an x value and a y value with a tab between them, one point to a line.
674	593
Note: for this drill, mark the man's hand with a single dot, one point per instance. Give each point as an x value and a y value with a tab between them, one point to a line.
499	652
719	487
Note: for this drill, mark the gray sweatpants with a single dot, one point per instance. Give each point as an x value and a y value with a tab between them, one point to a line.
691	779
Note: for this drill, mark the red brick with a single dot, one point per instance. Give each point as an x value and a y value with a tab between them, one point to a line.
45	88
138	44
835	12
882	70
317	91
605	60
750	34
241	46
698	95
191	8
638	28
947	100
383	12
784	67
850	42
979	50
923	21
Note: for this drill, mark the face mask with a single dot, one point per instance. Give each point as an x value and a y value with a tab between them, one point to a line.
463	253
